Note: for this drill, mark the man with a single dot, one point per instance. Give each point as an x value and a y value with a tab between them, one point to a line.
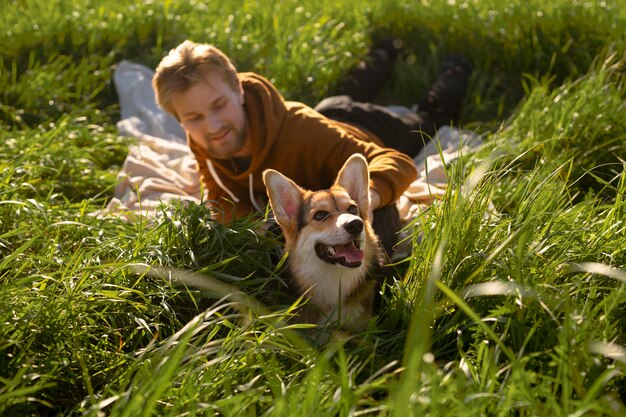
238	125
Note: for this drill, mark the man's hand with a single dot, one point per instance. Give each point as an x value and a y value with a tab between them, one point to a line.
374	202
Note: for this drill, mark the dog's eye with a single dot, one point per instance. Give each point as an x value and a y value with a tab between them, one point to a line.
320	215
353	210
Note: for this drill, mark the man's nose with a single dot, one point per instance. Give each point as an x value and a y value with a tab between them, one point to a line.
213	123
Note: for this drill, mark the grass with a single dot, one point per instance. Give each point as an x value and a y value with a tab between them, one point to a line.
512	302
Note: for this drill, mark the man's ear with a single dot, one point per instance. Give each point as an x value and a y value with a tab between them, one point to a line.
285	197
354	177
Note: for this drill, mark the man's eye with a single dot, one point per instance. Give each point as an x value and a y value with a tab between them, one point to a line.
353	209
320	215
192	118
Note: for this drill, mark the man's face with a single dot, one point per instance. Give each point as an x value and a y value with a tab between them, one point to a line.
212	113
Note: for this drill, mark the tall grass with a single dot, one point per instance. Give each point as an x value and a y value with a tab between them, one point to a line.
511	303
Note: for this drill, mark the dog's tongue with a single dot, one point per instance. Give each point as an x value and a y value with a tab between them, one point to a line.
350	252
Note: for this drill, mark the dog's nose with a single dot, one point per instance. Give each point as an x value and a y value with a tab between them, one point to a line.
354	227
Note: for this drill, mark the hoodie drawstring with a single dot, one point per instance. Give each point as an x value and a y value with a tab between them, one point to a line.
219	181
252	199
229	192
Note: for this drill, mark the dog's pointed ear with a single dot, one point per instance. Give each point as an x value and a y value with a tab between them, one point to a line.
354	177
285	197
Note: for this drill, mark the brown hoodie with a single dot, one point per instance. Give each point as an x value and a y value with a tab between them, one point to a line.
297	141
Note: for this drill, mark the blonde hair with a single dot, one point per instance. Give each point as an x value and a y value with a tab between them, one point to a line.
185	66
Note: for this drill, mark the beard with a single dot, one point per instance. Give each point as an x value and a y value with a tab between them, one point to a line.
228	146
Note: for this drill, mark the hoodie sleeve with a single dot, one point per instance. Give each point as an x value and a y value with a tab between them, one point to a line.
324	145
391	172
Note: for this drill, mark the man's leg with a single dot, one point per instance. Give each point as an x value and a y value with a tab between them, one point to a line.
401	132
366	79
407	132
444	98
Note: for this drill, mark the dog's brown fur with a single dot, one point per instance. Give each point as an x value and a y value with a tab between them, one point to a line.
331	244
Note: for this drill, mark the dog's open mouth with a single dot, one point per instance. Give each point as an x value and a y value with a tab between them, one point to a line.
349	255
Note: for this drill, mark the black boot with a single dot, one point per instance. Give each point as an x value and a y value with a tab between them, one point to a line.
364	82
444	99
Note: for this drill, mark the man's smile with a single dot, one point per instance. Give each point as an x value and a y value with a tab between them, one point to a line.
218	137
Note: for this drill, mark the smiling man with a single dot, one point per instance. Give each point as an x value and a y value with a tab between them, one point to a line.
239	125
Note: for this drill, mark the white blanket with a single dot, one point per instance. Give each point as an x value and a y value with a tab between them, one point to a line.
160	167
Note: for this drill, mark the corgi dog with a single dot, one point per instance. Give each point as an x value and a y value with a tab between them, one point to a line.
331	244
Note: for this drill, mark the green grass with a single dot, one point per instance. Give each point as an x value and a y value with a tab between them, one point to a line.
512	302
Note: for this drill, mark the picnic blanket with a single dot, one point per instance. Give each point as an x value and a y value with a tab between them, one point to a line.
160	167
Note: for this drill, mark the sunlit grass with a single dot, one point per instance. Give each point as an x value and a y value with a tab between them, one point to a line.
512	302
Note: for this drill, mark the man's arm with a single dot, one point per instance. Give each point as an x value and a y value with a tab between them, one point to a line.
318	148
374	199
391	172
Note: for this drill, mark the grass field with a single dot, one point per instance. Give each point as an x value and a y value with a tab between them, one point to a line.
520	312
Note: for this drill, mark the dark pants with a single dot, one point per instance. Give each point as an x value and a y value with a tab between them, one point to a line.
406	132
